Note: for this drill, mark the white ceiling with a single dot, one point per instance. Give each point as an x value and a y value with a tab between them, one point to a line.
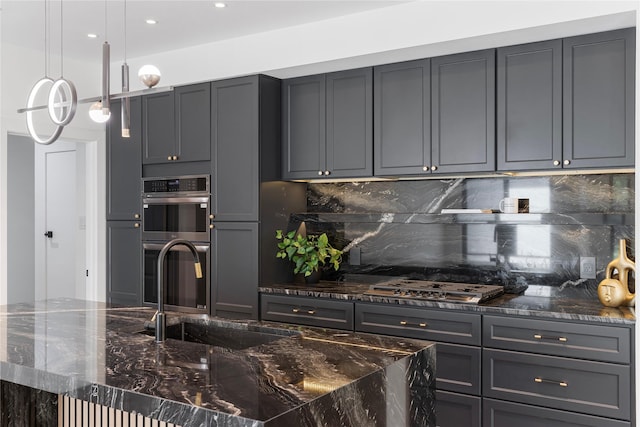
180	23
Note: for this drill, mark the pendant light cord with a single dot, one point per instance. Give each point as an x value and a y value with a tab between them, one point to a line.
46	46
125	31
61	43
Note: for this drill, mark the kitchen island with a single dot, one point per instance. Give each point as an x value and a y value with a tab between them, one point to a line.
274	376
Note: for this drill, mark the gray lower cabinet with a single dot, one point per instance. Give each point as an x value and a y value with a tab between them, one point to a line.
458	353
327	125
599	110
307	311
463	112
234	270
529	106
508	414
124	263
124	166
572	367
458	410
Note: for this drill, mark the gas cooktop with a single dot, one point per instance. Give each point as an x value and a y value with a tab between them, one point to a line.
435	291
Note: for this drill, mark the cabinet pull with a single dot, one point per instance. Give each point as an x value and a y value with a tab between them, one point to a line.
434	168
560	383
136	216
405	323
295	310
542	337
168	157
320	173
425	168
136	225
311	312
567	162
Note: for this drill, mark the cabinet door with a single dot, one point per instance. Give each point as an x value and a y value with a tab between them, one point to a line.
463	112
234	270
124	263
529	106
349	131
457	410
158	128
234	145
124	164
303	127
599	112
192	121
402	124
508	414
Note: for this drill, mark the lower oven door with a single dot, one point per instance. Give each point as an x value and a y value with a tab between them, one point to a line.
182	291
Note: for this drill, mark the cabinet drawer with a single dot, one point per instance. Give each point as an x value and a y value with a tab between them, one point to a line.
574	385
507	414
605	343
457	410
458	368
433	325
307	311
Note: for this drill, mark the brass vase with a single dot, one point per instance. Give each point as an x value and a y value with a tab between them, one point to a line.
614	290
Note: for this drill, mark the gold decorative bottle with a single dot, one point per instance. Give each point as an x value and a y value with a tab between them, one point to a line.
614	290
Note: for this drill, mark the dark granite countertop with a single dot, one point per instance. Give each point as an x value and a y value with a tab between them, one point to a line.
299	376
536	301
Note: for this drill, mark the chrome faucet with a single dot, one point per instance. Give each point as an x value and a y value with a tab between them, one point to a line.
160	317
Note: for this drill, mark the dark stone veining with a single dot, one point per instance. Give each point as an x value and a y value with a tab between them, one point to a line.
305	376
399	229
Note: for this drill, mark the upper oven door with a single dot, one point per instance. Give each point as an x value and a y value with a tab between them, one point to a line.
166	218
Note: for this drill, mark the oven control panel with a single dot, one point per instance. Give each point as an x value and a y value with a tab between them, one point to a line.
183	184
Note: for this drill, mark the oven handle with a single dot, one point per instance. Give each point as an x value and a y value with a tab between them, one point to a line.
174	200
180	248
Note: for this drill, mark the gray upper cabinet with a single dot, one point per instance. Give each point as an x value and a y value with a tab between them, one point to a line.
349	128
192	118
176	125
463	112
124	166
529	106
303	127
402	126
235	149
158	128
599	113
327	125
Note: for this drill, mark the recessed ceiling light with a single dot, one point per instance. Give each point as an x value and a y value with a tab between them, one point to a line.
92	36
220	5
151	21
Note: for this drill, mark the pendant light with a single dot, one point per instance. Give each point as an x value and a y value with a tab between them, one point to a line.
101	110
125	119
62	99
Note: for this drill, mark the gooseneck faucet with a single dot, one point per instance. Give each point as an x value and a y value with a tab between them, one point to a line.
161	320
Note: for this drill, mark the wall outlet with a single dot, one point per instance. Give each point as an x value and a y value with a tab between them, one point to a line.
587	267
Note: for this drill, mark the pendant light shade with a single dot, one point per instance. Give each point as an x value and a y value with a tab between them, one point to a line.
97	114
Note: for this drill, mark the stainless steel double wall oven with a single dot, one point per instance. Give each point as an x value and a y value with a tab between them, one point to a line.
177	208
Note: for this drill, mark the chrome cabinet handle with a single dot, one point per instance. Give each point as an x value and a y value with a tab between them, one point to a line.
567	162
542	380
327	173
542	337
425	168
320	173
434	168
405	323
556	163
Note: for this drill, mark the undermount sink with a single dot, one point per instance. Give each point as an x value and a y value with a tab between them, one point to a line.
220	335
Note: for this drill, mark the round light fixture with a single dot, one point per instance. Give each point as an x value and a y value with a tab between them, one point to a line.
220	5
149	75
92	36
97	114
151	21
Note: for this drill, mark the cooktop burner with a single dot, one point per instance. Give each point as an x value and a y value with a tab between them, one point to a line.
435	291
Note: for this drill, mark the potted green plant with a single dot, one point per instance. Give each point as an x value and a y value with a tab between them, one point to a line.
308	253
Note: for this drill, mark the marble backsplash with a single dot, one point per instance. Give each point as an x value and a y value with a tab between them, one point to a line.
397	227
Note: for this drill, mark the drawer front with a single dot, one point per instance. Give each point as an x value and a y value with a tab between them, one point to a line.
458	368
595	342
457	410
426	324
507	414
307	311
573	385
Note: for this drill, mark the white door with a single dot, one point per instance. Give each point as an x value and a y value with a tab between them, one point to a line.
56	221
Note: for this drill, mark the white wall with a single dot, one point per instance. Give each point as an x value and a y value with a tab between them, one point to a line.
19	70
